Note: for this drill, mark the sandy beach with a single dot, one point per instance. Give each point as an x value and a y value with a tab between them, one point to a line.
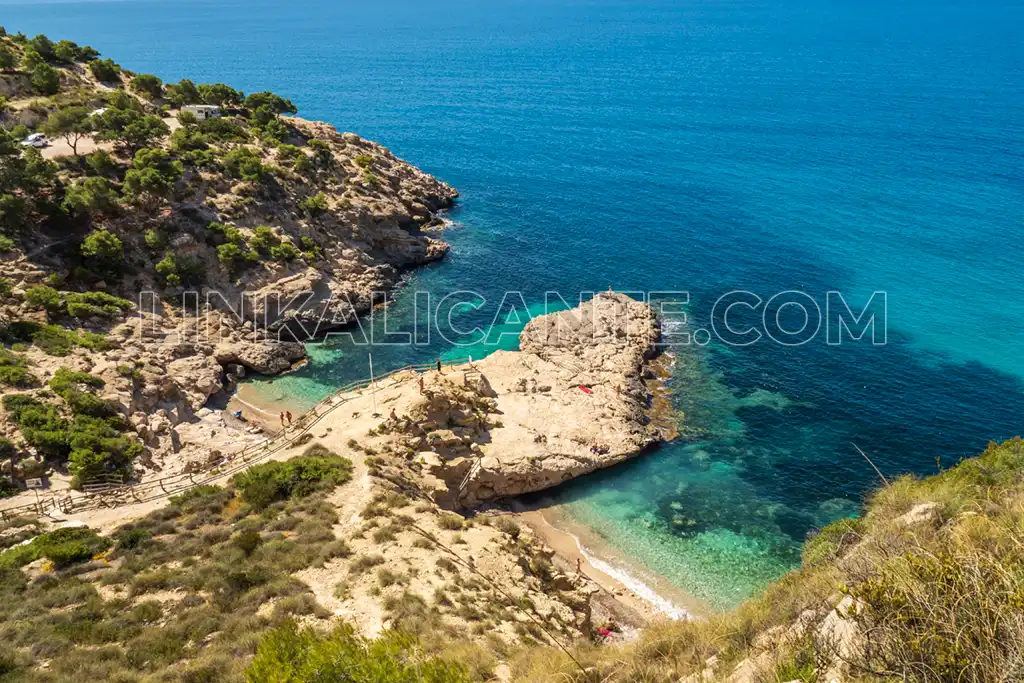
649	595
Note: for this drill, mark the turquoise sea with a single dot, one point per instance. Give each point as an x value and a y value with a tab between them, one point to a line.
698	145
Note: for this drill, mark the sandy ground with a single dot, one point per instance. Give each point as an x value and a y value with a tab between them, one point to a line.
59	147
635	609
651	597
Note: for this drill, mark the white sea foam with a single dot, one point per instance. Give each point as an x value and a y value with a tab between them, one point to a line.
670	326
249	405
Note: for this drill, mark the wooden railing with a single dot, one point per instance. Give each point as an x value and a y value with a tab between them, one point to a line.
104	494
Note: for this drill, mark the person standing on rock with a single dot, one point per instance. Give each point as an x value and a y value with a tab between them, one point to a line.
421	384
439	366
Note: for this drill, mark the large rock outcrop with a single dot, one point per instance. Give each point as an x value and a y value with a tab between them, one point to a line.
572	401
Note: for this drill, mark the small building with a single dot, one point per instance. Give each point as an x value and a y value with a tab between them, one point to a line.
203	111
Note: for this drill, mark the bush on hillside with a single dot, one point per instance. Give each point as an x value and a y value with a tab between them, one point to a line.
244	163
45	79
105	70
147	84
14	370
63	547
96	304
103	248
269	482
292	655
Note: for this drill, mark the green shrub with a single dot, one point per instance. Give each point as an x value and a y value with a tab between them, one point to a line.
45	79
41	424
315	205
104	249
93	341
105	70
222	130
130	539
264	239
244	163
155	239
290	655
231	255
52	339
247	541
364	161
153	175
96	304
167	268
63	547
198	496
14	371
268	482
44	297
147	84
64	380
285	251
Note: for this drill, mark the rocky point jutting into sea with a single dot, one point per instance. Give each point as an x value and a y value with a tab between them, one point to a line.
575	398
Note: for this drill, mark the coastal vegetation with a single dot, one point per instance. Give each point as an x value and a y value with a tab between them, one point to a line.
132	191
222	585
176	595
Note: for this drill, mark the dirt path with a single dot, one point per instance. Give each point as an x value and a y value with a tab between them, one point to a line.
59	147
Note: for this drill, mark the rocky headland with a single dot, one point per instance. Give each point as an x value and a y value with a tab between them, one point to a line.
158	252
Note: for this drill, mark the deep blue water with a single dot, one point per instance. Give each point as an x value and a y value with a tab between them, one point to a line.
705	146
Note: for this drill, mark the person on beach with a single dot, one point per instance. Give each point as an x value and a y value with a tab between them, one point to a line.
288	414
438	365
421	384
579	567
281	416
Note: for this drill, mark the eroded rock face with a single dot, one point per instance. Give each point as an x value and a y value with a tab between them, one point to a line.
382	217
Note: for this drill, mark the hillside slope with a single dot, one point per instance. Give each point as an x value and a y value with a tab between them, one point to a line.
282	228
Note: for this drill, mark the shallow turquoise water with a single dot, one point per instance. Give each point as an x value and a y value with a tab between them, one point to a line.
703	146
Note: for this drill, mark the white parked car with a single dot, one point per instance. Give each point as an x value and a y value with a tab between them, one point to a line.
37	140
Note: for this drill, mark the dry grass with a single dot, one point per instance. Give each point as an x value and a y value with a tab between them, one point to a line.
939	598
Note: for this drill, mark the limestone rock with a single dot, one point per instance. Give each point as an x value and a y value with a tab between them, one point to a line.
265	357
